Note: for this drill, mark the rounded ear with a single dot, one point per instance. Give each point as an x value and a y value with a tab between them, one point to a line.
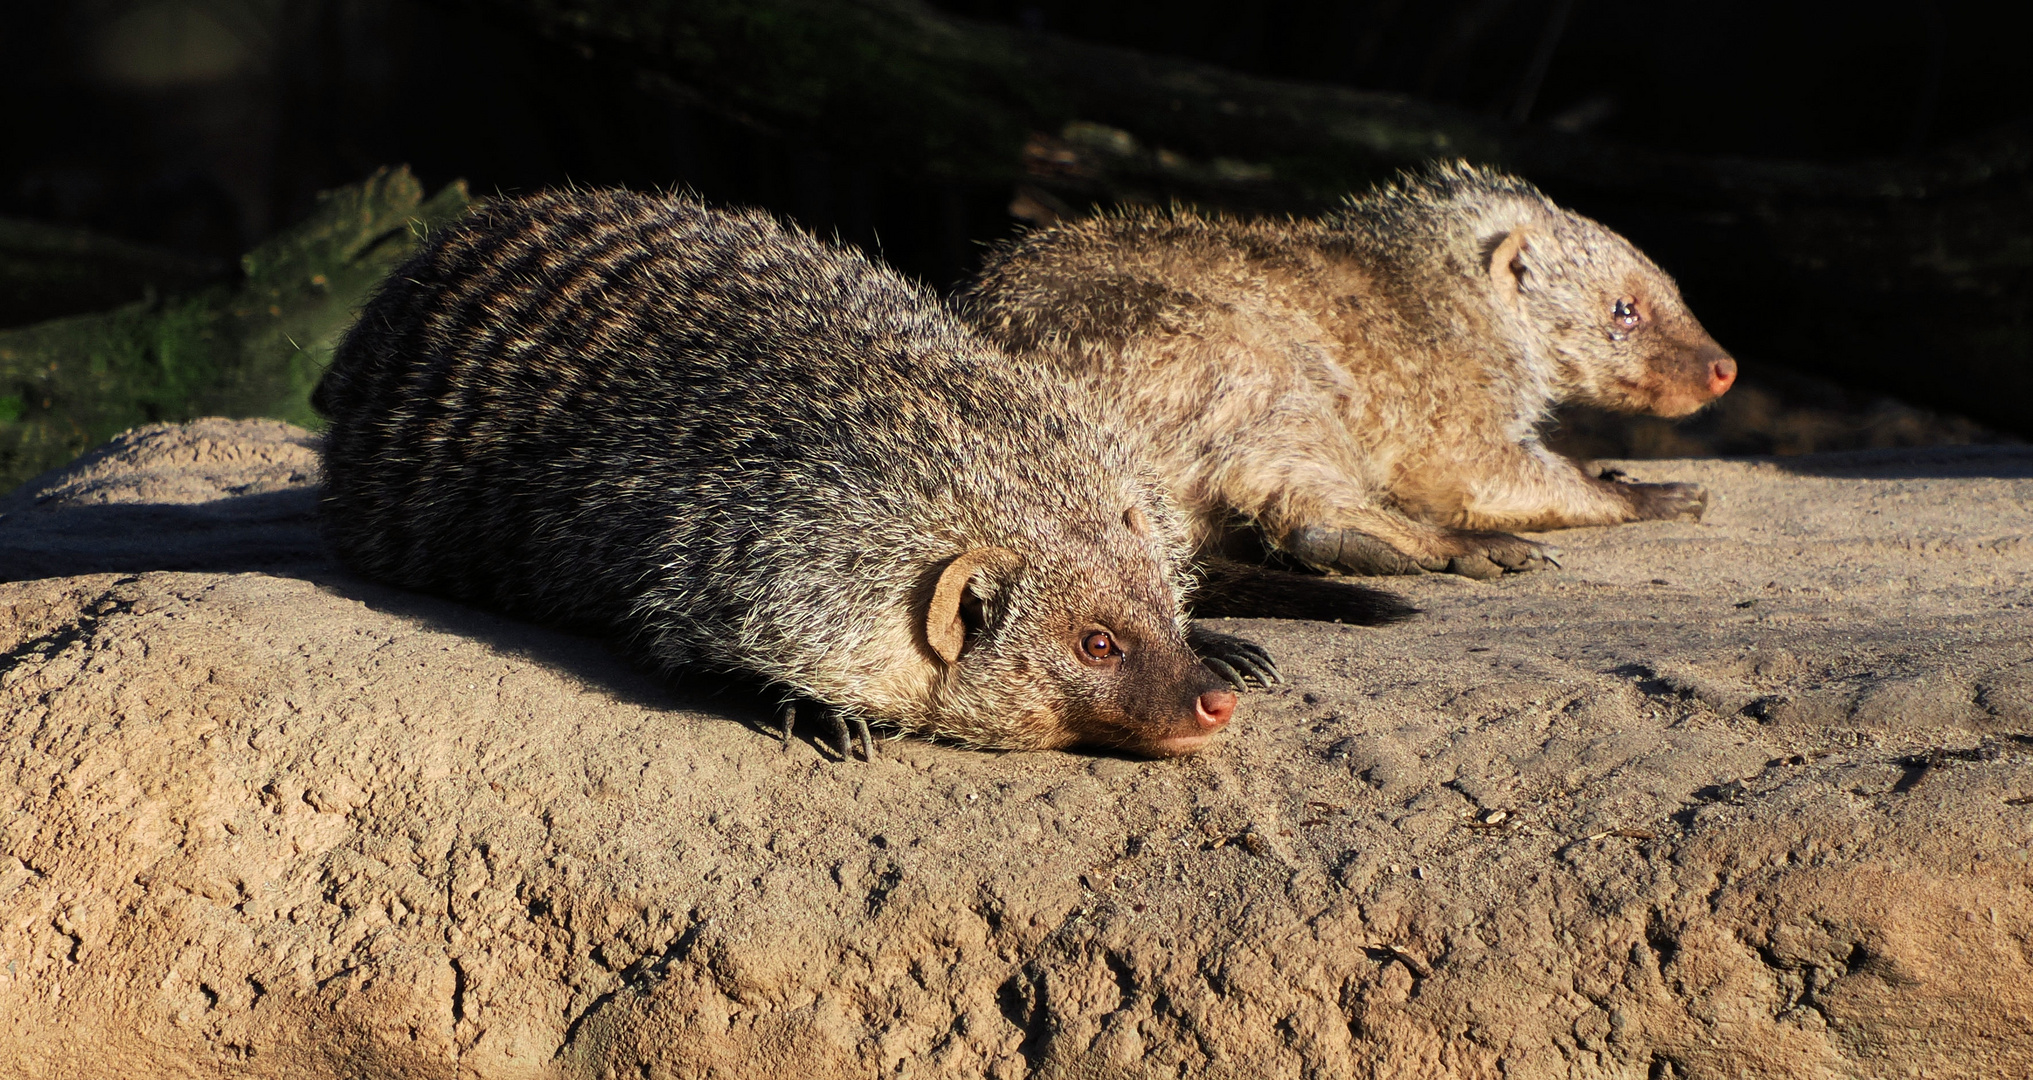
967	581
1138	522
1507	266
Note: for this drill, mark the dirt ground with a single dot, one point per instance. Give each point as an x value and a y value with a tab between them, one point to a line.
1745	798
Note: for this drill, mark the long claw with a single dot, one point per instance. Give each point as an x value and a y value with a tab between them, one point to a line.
1255	654
787	718
1226	671
1249	667
867	739
1264	674
840	739
1250	672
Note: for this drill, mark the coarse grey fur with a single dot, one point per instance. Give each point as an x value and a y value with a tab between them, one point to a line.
744	450
1364	391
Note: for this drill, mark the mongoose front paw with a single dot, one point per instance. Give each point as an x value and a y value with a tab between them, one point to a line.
1349	551
1238	661
1668	502
836	720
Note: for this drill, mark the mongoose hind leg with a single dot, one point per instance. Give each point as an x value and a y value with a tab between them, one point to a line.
836	719
1238	661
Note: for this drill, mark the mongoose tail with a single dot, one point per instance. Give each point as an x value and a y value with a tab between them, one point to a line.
1228	589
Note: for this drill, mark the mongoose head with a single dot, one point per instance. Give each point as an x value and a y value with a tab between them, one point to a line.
1047	651
1595	321
1609	322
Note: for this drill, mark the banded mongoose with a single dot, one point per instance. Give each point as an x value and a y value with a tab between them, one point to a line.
740	449
1366	389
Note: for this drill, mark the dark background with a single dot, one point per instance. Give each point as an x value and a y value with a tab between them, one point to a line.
199	127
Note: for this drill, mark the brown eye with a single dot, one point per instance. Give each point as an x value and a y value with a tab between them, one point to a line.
1099	646
1626	314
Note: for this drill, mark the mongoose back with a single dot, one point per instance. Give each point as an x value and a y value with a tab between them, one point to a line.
744	450
1366	388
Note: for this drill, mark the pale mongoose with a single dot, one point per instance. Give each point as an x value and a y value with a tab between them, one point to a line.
744	450
1366	389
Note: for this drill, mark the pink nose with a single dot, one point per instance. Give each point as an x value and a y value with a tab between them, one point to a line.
1214	708
1721	375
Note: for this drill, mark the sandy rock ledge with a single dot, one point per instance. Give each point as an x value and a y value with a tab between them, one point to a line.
1750	798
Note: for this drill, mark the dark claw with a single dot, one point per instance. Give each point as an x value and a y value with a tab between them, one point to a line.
1251	660
837	722
840	738
1237	660
787	718
1232	647
1255	657
1228	674
1263	675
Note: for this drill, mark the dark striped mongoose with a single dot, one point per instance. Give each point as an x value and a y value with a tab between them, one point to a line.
1366	389
742	450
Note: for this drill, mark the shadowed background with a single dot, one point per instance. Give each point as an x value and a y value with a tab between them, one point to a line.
1846	193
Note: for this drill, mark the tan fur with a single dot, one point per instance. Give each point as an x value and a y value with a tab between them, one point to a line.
1366	389
901	678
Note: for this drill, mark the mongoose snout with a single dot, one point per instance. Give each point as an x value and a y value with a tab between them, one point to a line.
1722	374
1213	709
1364	392
1678	381
738	449
1656	357
1161	699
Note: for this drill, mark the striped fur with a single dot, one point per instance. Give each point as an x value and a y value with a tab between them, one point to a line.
743	450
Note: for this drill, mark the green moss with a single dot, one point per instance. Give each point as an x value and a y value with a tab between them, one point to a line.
252	348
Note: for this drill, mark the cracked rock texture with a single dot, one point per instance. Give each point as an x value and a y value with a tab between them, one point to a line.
1748	798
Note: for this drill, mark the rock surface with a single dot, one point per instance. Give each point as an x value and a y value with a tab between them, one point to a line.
1746	798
